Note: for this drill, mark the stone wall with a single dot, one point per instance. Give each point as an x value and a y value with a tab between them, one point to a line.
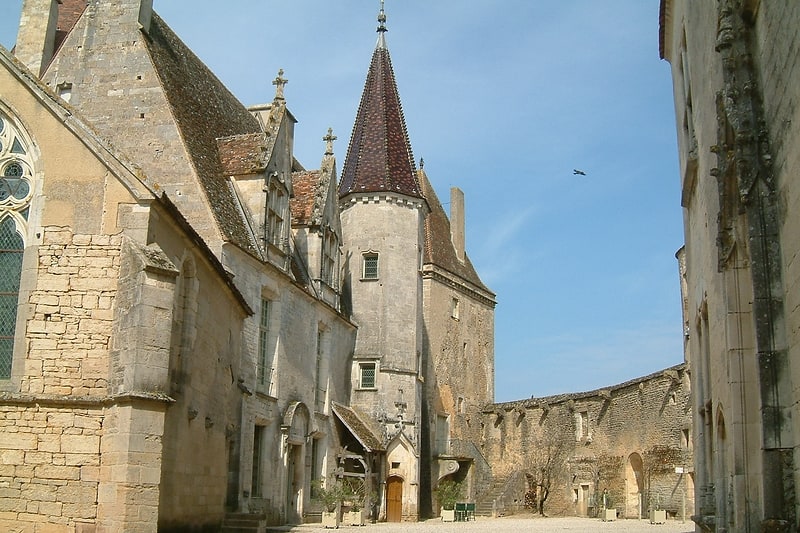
623	441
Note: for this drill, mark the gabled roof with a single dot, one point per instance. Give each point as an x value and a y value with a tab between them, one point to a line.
379	158
353	422
439	249
204	111
307	197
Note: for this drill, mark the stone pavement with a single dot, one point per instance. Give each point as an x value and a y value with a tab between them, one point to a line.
515	524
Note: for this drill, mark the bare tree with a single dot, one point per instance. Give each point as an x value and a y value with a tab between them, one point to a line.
545	464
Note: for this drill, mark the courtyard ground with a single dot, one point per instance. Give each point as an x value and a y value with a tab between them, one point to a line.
513	524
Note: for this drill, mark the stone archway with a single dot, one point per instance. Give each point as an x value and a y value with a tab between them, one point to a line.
634	485
296	430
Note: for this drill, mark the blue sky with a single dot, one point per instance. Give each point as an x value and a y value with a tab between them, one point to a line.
502	98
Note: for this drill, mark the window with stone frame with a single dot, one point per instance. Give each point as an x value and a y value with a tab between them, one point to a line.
16	178
264	365
367	375
370	266
321	389
330	248
274	225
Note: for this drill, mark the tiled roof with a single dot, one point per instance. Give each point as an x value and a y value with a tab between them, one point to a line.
69	11
243	154
379	158
306	192
439	249
357	427
204	111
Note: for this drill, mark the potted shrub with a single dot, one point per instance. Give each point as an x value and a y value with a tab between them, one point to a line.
608	512
657	514
354	497
448	492
330	497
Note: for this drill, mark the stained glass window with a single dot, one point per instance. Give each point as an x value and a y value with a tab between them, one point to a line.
15	200
11	247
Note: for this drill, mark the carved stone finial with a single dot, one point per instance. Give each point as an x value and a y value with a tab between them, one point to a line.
279	82
329	138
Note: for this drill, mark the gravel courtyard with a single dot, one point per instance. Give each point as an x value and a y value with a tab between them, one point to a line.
514	524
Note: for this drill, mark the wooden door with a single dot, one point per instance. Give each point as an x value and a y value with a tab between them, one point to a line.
394	499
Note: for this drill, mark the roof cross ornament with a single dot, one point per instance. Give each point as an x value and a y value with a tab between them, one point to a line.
279	83
329	138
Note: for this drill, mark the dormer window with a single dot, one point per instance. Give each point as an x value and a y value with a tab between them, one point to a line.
330	248
370	266
275	223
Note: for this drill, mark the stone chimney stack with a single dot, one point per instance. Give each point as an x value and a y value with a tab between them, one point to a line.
457	221
37	33
145	15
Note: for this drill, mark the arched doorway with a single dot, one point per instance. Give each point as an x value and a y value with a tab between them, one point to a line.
295	428
394	499
634	485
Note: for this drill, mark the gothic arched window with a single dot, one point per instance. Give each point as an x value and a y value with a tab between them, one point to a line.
15	199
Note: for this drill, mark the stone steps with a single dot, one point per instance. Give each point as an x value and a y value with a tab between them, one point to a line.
243	523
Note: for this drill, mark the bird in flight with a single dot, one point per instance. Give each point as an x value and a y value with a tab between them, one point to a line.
578	172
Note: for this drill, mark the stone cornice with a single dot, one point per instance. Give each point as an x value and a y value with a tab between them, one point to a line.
431	271
56	400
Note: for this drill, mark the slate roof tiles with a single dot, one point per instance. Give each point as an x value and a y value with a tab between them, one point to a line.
204	111
379	158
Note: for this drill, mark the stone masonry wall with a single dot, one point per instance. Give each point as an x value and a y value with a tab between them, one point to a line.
626	440
49	466
50	431
70	325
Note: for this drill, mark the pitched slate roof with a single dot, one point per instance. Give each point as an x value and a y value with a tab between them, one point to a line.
204	111
379	158
439	249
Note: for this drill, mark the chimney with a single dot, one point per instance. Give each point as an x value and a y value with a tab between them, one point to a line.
37	33
145	15
457	221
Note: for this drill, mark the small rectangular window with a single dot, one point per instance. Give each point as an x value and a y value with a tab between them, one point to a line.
454	308
371	266
367	375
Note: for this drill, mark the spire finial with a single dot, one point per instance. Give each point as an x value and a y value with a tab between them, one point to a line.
382	27
279	83
329	138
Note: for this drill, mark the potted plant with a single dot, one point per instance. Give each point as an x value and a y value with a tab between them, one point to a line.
330	497
448	492
608	512
657	514
354	497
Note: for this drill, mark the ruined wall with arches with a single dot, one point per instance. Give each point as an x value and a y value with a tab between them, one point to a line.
627	447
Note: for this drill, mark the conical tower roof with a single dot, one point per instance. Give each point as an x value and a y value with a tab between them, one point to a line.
379	158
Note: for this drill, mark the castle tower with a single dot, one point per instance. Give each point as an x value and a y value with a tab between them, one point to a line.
383	213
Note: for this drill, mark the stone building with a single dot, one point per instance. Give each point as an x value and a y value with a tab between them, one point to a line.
194	324
625	447
736	84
